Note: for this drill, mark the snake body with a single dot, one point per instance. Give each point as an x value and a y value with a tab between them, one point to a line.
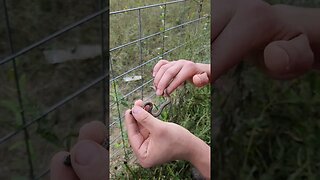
162	106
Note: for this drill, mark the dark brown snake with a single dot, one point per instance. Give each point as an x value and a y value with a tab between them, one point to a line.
162	106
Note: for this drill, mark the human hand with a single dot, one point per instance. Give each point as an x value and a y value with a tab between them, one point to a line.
155	142
88	158
276	34
152	140
170	75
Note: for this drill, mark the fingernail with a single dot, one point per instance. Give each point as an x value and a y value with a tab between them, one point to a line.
153	74
135	110
84	153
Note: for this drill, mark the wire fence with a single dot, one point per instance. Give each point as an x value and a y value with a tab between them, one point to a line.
28	126
170	27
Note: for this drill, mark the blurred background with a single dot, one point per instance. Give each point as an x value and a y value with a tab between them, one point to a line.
53	57
265	128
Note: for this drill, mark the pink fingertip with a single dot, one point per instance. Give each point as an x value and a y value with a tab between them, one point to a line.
159	92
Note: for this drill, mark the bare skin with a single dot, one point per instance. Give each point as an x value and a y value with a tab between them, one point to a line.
155	142
88	158
285	39
169	75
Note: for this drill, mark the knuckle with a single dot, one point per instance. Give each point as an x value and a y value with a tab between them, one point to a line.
163	61
263	13
144	118
170	72
182	61
189	64
166	66
163	68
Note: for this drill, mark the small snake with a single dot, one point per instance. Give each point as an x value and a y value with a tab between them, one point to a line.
162	106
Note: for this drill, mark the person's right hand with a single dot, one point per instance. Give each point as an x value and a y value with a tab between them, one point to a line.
169	75
280	35
155	142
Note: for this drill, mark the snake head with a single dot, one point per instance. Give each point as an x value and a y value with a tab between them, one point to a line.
148	106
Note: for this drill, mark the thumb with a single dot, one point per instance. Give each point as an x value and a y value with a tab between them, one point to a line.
200	80
288	59
145	118
89	160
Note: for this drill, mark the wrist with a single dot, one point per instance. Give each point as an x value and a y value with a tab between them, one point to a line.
199	155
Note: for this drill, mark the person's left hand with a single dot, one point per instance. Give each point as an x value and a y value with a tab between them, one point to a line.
88	158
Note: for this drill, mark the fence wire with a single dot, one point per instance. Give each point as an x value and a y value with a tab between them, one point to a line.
123	90
15	55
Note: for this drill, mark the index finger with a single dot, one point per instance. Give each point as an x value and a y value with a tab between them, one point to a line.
222	12
158	66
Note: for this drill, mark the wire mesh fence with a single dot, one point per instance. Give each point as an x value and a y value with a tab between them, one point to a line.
49	89
46	81
139	37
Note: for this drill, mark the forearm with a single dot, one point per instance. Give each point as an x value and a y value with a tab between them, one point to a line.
199	156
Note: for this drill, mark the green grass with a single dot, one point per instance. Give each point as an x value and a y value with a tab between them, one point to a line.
269	129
